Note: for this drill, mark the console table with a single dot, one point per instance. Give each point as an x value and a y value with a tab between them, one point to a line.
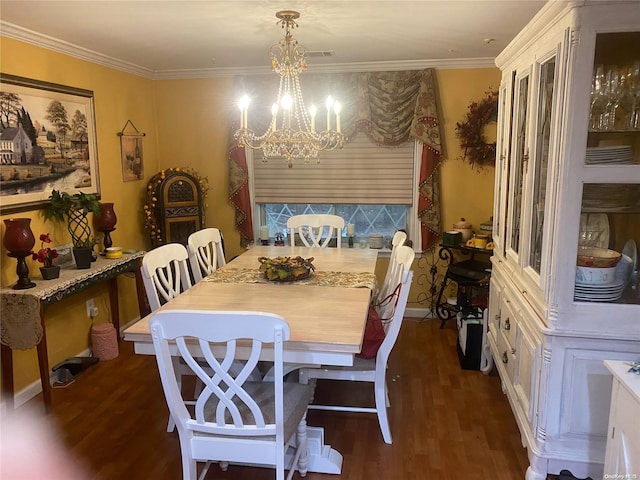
469	274
23	312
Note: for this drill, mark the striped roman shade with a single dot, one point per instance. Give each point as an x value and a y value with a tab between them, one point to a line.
360	173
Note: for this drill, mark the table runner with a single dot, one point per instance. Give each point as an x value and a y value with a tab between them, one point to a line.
322	279
21	327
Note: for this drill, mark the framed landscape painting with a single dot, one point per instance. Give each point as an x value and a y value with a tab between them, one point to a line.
48	141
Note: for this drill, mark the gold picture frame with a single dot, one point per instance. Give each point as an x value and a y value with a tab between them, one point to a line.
49	142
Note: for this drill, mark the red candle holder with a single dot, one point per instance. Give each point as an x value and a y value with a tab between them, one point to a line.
19	242
105	222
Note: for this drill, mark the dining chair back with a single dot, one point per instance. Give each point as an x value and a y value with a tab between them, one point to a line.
234	419
316	230
206	253
165	273
373	370
390	281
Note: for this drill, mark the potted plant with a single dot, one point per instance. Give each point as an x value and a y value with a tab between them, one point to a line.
74	209
45	256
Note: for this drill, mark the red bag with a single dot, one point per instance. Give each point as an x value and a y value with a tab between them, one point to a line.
373	335
374	331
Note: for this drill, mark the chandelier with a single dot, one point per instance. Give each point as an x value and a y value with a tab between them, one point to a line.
292	133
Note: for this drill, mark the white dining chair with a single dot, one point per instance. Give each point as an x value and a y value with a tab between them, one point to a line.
316	230
206	253
233	420
373	370
165	273
399	238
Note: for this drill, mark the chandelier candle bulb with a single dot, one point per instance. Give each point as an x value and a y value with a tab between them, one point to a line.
312	113
243	104
274	116
336	108
329	105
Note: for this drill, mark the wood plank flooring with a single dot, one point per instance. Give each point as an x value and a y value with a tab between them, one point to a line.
447	423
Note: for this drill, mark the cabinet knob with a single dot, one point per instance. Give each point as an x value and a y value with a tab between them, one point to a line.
507	325
505	358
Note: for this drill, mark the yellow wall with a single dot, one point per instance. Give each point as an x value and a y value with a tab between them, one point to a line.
118	97
193	132
466	191
186	125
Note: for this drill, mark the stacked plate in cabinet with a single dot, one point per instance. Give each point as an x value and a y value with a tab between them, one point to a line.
610	197
620	155
606	292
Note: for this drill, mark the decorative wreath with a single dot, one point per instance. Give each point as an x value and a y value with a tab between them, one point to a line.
155	233
476	149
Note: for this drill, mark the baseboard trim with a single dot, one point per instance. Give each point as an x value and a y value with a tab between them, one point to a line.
35	388
418	313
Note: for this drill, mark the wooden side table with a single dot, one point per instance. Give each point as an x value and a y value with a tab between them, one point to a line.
23	312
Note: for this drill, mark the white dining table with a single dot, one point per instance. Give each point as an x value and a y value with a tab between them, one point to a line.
326	313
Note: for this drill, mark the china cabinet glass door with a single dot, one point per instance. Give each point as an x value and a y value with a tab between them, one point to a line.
610	208
505	107
520	159
541	163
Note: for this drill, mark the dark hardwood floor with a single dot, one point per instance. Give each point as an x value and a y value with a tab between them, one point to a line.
447	423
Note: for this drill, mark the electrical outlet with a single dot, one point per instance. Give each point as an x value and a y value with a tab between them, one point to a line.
94	312
91	304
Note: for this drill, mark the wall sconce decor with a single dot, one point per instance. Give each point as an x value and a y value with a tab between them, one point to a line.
131	152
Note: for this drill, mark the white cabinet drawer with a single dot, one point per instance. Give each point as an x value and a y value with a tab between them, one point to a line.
508	321
506	355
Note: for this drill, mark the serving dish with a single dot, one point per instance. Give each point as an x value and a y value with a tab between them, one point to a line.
597	257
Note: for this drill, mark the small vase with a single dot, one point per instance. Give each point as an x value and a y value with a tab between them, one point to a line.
49	273
83	257
106	222
18	236
19	241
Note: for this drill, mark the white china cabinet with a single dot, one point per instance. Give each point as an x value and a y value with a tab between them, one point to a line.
623	441
568	175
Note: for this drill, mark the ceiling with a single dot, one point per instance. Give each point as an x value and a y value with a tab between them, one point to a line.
184	38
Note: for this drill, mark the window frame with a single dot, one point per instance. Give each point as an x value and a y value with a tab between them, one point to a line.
414	232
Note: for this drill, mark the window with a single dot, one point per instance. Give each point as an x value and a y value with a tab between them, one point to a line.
372	187
382	219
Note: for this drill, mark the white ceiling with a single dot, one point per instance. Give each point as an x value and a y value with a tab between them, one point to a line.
185	38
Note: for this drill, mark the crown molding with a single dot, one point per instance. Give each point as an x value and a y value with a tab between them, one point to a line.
34	38
484	62
38	39
537	27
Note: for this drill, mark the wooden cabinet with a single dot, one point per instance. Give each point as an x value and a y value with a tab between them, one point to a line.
176	207
567	176
622	459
